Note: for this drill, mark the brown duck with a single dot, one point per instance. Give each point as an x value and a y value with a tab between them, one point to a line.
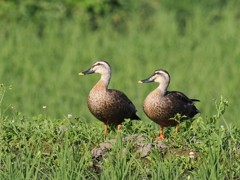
162	105
108	105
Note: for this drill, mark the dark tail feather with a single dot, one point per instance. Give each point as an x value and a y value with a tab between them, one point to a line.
135	117
194	112
195	100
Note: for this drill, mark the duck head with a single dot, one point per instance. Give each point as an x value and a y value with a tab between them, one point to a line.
161	76
100	67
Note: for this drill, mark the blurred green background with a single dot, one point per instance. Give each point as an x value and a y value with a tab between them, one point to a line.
45	44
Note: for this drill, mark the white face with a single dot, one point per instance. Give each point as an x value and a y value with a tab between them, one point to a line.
160	76
101	67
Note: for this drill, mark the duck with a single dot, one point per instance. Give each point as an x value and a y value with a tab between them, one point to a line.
108	105
167	108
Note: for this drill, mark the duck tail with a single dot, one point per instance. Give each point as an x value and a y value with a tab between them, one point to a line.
135	117
195	100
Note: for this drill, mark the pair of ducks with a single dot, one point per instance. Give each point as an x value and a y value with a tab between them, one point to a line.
113	106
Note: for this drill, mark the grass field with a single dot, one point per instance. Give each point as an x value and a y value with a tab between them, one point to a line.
45	148
203	62
41	62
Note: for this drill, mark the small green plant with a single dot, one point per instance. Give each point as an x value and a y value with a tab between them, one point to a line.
3	89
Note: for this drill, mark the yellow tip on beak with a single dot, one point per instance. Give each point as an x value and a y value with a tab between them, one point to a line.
80	73
140	82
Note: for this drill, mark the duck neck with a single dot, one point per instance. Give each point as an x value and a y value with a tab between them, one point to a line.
162	88
103	82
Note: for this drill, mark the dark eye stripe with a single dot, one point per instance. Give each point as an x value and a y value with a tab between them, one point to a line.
101	64
96	64
158	72
161	72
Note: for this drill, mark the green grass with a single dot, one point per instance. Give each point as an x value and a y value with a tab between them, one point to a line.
45	148
202	60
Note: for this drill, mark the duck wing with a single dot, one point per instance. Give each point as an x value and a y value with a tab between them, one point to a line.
181	96
123	102
183	103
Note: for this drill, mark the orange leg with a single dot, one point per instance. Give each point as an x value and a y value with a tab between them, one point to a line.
119	127
177	127
105	129
161	134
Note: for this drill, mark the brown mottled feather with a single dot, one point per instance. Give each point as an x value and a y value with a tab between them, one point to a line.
109	105
162	105
161	109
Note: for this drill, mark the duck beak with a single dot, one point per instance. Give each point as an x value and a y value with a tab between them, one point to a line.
146	80
89	71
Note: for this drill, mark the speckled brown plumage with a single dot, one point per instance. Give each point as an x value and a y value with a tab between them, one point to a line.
161	109
162	105
108	105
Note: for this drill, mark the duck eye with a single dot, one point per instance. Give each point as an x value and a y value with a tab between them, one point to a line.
96	64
